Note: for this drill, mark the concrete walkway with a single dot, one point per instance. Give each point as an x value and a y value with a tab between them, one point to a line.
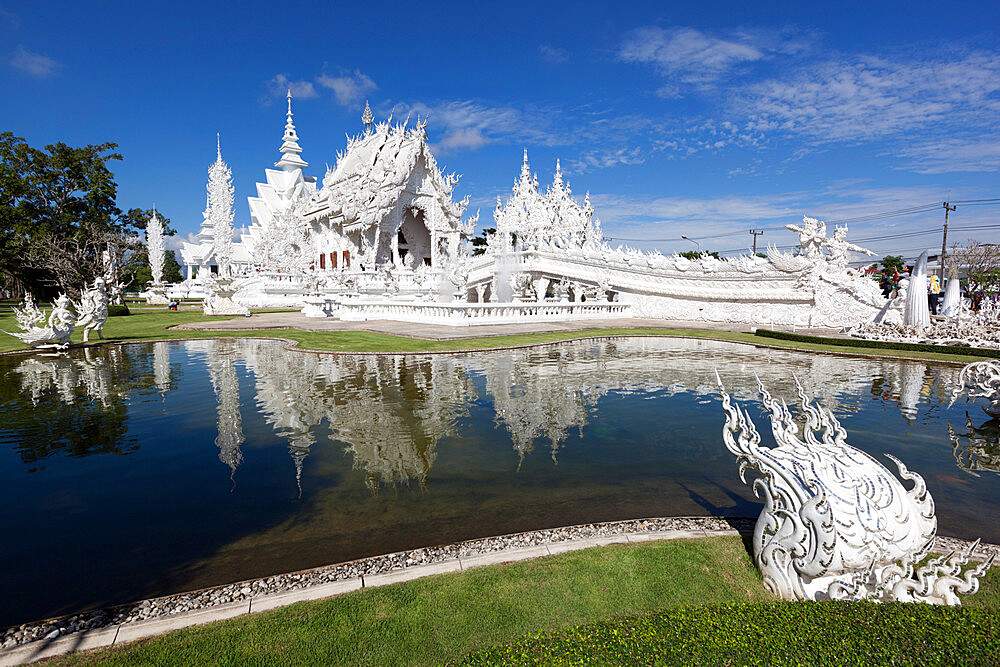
443	332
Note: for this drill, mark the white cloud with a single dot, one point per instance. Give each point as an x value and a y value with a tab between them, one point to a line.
177	241
279	86
723	223
34	64
604	158
688	55
470	125
952	155
349	88
553	54
869	97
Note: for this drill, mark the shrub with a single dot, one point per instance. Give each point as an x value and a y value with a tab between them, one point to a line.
118	310
785	633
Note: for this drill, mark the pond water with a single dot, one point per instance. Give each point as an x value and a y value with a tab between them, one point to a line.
139	470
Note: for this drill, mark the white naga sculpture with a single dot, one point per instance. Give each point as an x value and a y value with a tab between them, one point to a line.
982	378
836	523
36	332
93	310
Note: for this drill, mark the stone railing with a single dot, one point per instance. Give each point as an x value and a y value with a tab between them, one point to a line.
470	314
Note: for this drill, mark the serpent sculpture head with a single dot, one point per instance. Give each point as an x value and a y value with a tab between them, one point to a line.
836	523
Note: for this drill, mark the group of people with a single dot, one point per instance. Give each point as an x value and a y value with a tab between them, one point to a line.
889	284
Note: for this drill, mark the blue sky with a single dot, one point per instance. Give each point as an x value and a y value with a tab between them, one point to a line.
703	119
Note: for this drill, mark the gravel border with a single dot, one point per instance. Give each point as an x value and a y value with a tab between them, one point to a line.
207	598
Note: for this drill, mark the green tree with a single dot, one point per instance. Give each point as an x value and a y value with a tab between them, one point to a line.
479	242
59	222
892	263
698	254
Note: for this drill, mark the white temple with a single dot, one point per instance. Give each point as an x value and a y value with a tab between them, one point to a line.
380	237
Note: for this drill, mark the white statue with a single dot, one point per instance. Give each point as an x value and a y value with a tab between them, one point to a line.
56	334
917	313
983	379
93	310
812	236
838	247
951	305
836	523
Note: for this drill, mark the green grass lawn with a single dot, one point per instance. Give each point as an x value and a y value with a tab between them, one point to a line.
707	590
154	325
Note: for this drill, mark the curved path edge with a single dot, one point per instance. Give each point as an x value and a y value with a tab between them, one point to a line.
332	580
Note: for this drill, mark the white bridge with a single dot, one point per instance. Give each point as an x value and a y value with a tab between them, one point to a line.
462	314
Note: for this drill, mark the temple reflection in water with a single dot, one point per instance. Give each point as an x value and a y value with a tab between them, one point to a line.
390	412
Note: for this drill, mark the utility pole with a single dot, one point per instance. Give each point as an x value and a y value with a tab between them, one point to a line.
756	233
944	239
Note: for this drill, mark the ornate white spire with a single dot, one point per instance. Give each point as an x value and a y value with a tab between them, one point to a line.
367	119
154	247
290	148
525	168
557	180
220	210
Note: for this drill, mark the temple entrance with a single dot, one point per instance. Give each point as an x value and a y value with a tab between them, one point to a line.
414	240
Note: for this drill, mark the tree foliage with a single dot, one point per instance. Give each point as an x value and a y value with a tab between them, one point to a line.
980	263
698	254
60	226
892	263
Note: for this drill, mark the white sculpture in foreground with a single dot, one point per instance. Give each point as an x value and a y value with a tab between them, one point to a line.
982	378
836	523
36	332
92	311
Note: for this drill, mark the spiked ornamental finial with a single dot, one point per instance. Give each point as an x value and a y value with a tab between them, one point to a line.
218	149
557	180
367	119
525	168
290	148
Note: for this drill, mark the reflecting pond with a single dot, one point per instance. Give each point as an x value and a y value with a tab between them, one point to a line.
138	470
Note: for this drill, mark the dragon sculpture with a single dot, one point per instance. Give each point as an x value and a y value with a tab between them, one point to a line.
36	332
836	523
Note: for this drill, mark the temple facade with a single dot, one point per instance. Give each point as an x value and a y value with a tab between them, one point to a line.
385	205
381	237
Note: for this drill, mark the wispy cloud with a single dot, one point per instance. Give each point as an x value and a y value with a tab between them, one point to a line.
689	56
870	97
553	54
605	158
279	86
952	155
349	88
471	124
10	18
722	223
34	64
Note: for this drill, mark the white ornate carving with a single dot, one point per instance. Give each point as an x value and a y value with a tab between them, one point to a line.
93	310
220	299
55	333
982	379
155	248
836	523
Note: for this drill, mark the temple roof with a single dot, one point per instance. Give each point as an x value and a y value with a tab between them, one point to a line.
373	172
